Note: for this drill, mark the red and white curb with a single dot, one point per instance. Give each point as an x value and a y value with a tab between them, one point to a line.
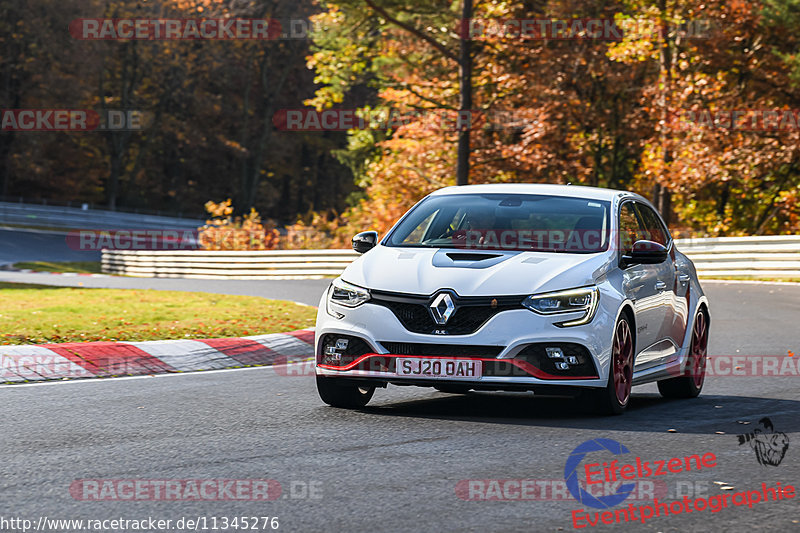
26	363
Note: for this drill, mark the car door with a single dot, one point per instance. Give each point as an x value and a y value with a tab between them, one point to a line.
639	284
675	286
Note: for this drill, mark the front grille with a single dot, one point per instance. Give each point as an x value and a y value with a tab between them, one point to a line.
470	312
444	350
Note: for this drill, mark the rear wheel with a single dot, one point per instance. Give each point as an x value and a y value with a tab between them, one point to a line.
343	395
691	383
614	399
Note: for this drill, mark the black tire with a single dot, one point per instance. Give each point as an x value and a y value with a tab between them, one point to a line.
344	396
607	401
677	388
691	383
453	389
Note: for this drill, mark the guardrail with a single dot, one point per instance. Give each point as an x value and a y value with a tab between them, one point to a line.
753	257
201	264
59	217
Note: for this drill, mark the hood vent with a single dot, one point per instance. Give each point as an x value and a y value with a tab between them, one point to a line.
455	256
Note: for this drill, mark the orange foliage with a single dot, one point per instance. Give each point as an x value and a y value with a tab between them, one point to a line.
593	113
225	232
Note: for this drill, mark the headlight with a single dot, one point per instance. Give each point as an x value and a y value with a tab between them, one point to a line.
582	299
343	293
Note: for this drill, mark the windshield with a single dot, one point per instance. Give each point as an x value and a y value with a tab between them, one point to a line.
521	222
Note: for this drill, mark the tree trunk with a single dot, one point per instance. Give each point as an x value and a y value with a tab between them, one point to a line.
112	186
465	118
271	90
662	196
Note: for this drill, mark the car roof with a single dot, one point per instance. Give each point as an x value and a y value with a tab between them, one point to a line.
577	191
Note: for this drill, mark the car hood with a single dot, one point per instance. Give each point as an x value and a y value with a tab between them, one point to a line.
425	270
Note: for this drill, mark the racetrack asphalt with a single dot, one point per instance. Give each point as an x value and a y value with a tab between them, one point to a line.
18	244
395	465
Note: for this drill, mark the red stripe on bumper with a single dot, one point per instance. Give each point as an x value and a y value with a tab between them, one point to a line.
524	365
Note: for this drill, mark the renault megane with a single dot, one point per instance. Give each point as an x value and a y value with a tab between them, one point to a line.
516	287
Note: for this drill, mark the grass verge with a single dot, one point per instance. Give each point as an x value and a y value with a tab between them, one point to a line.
38	314
80	267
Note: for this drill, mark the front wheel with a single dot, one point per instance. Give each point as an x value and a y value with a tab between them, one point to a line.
342	395
614	399
691	383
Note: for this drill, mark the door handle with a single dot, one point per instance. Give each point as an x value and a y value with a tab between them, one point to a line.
683	278
660	285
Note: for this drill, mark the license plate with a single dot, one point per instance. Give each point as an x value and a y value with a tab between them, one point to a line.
439	368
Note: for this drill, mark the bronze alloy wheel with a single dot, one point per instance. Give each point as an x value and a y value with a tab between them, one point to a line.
690	383
613	399
697	355
622	357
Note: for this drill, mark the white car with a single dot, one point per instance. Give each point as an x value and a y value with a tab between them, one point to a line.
516	287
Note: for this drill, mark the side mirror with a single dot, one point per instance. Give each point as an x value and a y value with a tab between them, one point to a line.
646	253
365	241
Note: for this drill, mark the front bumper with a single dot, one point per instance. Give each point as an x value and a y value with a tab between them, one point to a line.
509	345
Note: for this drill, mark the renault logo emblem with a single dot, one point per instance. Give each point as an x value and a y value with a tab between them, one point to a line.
442	308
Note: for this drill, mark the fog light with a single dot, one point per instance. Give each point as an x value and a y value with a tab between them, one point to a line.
338	349
560	359
333	351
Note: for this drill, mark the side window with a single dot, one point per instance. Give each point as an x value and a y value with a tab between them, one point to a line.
654	229
629	229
